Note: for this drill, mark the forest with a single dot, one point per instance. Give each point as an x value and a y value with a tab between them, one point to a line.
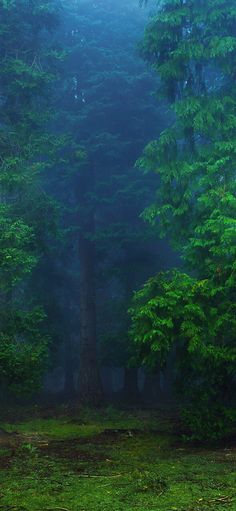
117	255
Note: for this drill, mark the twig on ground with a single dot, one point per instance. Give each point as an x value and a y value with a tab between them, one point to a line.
57	509
101	476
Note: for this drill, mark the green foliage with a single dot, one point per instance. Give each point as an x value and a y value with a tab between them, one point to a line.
175	307
25	78
16	259
23	351
192	46
208	422
175	312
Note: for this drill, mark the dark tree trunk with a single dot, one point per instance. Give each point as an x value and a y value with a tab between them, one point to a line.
131	390
90	388
69	384
152	388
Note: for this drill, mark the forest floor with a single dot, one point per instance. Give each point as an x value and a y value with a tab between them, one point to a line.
52	460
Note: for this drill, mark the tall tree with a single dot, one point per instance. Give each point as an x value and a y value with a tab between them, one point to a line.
192	46
108	112
24	80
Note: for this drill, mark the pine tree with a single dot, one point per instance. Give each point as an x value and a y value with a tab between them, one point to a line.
105	107
192	46
25	211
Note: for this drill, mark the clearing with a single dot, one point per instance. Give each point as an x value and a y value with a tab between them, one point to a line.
110	460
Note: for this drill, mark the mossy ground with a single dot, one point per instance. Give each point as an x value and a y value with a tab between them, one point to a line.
111	461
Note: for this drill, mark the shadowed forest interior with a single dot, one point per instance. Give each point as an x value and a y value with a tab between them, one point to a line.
117	254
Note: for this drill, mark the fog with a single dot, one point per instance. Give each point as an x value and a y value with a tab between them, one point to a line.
117	204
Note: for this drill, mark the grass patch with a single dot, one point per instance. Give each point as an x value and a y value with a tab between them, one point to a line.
112	461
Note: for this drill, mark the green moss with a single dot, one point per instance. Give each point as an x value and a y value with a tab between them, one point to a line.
55	428
88	422
84	467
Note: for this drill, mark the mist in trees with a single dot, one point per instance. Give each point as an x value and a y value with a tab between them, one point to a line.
117	212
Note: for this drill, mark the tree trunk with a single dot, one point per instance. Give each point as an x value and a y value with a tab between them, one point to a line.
90	388
69	384
131	390
152	388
